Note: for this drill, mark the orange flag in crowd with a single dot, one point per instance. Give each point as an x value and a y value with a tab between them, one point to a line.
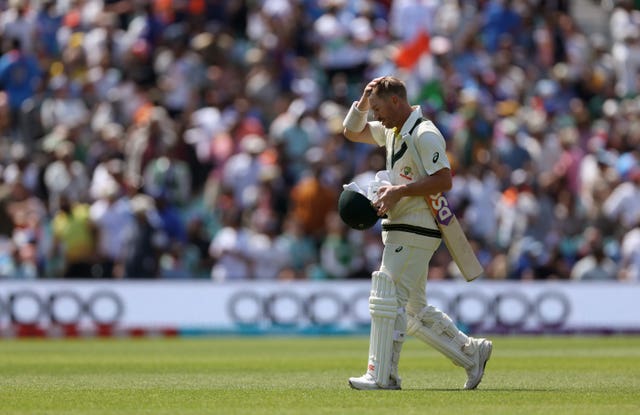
410	52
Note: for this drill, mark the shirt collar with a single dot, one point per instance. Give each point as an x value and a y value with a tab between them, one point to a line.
411	120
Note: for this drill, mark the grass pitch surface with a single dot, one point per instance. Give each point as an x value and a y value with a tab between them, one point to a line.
259	375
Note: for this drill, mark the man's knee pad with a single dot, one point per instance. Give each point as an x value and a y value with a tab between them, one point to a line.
383	302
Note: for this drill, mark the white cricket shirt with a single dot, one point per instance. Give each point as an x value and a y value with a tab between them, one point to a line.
411	218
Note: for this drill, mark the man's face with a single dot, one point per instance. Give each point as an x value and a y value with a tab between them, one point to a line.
384	109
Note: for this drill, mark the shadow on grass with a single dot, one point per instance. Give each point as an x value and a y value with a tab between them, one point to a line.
479	390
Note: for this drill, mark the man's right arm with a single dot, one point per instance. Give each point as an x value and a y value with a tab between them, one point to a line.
355	123
363	136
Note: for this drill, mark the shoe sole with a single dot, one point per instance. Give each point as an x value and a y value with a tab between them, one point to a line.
373	388
484	365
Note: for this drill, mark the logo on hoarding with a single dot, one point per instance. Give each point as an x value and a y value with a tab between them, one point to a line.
291	308
506	311
510	310
63	307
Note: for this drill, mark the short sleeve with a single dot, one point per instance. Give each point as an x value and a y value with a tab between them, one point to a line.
378	132
432	151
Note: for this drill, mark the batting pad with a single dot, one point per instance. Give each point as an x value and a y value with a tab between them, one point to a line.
435	328
383	307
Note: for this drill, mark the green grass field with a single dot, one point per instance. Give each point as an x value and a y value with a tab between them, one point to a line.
260	375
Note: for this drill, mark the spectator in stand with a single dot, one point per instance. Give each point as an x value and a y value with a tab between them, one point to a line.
66	176
6	224
242	171
144	240
623	205
23	168
267	261
31	242
195	256
499	20
630	256
168	211
154	136
180	73
510	152
293	139
168	176
624	26
477	193
112	216
594	264
136	84
313	201
63	107
297	249
48	23
339	49
20	77
340	257
5	114
229	250
74	237
18	22
515	210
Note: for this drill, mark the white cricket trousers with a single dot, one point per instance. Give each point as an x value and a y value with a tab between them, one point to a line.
408	266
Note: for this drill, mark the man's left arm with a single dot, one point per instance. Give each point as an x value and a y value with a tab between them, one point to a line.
437	177
435	183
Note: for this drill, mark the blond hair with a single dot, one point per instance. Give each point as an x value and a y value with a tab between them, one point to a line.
390	85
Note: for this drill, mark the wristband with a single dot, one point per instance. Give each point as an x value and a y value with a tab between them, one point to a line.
355	120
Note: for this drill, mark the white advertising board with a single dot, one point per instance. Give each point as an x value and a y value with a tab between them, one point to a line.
313	307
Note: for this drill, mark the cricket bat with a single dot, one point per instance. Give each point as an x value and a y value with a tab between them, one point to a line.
455	239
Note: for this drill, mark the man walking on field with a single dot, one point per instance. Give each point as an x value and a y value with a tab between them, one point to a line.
410	236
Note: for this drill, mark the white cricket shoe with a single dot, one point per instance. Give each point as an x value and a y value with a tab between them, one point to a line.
368	382
482	355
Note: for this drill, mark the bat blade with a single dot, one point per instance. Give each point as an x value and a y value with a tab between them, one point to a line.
454	237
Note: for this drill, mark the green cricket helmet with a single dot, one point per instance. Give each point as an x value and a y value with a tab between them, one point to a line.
356	210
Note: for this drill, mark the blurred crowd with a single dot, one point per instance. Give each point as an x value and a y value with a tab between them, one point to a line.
202	139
